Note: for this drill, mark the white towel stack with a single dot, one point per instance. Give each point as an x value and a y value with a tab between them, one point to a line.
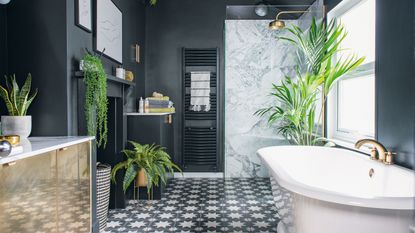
200	91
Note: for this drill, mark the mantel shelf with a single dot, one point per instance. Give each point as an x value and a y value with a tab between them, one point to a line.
112	78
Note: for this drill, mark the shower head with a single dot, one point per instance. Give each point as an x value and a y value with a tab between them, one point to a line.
278	23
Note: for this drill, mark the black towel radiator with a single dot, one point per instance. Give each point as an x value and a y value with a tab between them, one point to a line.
200	129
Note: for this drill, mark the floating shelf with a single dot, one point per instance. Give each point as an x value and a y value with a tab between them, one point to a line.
112	78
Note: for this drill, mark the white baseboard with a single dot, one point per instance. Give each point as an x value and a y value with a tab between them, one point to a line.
199	175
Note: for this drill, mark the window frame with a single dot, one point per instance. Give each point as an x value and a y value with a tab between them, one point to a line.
343	136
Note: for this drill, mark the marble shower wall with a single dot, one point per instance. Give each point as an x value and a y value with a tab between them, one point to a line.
254	59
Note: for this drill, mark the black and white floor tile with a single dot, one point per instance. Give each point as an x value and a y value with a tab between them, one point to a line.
202	205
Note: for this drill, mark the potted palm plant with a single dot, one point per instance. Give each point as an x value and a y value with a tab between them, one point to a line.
150	164
317	72
17	101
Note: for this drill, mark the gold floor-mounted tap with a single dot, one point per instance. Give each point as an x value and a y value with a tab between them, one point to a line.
384	155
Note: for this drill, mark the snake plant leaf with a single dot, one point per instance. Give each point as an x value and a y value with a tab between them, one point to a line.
130	175
8	85
5	95
29	102
17	100
23	95
14	95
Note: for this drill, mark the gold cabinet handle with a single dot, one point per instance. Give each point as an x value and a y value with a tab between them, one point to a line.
63	149
9	164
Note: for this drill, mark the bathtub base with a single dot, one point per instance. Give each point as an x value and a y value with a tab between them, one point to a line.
315	216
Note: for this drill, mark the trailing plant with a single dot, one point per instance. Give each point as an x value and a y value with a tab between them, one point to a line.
17	100
317	72
96	101
153	159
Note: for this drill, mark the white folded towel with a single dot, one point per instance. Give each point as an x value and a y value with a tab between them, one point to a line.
200	91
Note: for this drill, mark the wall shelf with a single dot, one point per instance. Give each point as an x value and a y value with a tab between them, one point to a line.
112	78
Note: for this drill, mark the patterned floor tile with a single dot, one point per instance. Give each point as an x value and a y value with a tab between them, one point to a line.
202	205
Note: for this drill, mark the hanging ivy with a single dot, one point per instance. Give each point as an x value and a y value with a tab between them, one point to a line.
96	101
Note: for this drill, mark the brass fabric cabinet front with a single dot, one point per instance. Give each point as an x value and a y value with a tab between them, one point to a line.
49	192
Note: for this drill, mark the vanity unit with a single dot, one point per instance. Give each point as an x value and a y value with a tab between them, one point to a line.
49	186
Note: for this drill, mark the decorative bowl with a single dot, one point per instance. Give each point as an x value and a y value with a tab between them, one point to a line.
14	140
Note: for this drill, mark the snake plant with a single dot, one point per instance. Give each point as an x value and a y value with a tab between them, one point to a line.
153	159
317	72
17	100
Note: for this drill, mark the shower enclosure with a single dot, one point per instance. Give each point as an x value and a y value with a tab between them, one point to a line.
254	60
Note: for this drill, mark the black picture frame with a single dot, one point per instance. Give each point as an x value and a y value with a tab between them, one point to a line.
95	34
88	10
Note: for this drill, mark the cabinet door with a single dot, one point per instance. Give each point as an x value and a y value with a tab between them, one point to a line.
74	188
28	195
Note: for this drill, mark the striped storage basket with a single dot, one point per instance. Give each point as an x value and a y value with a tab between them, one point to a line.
103	194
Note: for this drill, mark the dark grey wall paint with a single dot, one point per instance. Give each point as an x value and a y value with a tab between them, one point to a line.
395	78
3	40
173	24
37	44
78	40
42	39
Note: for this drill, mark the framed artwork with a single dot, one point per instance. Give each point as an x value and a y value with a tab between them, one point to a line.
83	14
108	30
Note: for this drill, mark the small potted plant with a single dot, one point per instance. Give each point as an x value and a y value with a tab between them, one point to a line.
148	162
17	101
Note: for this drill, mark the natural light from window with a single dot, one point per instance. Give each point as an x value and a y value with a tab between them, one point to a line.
351	108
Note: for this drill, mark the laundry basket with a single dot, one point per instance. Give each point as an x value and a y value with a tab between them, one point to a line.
103	193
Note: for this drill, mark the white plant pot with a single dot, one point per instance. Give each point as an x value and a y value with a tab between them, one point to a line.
16	125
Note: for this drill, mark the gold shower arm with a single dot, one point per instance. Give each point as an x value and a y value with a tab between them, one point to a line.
288	12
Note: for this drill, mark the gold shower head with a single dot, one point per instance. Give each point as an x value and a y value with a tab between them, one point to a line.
276	24
280	24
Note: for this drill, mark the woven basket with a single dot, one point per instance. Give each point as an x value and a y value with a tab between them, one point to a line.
103	194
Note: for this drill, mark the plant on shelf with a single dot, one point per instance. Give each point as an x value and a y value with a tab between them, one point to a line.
17	102
317	72
96	101
152	160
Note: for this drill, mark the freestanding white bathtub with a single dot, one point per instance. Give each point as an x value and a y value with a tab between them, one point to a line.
332	190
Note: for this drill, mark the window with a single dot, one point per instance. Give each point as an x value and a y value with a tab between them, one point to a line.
351	104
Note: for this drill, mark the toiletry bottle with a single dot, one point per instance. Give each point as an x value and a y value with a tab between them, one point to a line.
141	105
146	106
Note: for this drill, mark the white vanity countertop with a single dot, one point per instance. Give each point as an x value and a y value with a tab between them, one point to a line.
39	145
148	114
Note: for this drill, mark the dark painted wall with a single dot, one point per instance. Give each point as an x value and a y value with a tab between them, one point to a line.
78	40
173	24
395	78
37	44
3	41
48	44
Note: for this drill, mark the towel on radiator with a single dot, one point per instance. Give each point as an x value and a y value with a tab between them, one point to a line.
200	91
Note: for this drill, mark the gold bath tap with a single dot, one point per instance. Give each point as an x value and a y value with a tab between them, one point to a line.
384	155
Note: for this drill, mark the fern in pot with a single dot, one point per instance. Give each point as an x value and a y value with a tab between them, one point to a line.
17	101
148	164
